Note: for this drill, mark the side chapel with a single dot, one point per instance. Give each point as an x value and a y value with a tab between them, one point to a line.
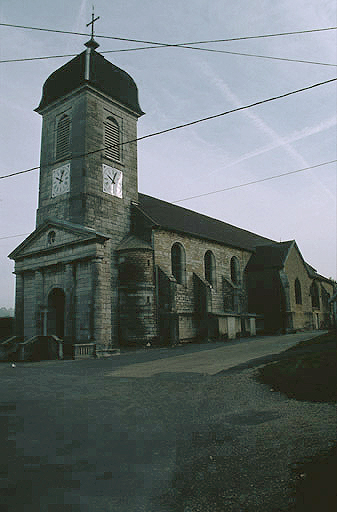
107	265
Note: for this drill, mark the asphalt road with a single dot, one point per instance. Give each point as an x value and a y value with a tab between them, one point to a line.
152	430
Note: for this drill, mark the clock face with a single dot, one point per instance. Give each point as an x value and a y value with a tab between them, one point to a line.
112	181
61	180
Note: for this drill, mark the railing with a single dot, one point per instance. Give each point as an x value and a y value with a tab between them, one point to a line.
84	350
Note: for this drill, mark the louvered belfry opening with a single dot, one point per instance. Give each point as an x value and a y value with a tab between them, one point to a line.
111	139
63	138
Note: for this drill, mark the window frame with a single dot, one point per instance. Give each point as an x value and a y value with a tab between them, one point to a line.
314	292
235	270
210	268
178	262
298	291
63	137
112	134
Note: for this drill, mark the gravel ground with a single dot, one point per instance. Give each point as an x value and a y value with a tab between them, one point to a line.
83	440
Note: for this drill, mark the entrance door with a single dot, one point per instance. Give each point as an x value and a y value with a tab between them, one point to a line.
56	302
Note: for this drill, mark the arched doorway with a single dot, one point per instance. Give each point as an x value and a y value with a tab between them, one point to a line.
56	301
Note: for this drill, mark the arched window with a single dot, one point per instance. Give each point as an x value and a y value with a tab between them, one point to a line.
112	139
314	292
235	270
210	272
228	295
63	138
325	299
178	262
298	292
51	237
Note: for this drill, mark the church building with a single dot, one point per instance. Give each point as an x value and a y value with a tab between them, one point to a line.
107	265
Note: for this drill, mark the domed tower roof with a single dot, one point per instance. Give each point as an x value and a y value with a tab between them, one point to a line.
103	75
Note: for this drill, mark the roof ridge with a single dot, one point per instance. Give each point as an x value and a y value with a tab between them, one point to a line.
182	219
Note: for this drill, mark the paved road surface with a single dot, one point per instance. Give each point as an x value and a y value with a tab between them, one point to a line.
216	359
146	432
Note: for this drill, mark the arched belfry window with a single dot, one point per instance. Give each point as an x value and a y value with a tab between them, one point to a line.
63	138
235	270
210	271
298	291
314	292
178	262
112	139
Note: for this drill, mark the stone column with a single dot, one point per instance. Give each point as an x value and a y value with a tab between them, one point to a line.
70	297
19	305
39	303
100	324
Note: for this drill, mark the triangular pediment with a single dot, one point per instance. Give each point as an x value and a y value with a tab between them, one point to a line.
55	234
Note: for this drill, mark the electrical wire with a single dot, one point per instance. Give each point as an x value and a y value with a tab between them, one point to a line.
186	47
254	182
228	188
167	44
13	236
179	45
227	52
20	172
191	123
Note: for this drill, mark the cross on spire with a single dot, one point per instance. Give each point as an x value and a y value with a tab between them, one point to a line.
92	43
93	19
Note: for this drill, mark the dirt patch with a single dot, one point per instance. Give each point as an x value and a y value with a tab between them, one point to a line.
308	372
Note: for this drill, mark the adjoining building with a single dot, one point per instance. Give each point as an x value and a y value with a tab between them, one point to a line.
108	265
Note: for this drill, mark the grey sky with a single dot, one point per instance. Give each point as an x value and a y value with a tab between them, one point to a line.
179	85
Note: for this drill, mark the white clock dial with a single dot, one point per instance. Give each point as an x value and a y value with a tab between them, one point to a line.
61	180
112	181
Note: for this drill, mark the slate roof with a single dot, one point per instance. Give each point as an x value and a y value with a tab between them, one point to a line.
182	220
270	256
132	242
104	76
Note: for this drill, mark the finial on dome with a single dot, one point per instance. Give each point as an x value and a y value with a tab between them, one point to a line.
92	43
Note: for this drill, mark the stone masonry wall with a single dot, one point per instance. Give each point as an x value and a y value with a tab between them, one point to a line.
195	250
86	203
137	301
302	314
82	272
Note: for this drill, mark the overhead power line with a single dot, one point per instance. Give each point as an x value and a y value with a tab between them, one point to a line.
167	44
254	182
191	123
20	172
186	45
227	52
13	236
179	46
226	189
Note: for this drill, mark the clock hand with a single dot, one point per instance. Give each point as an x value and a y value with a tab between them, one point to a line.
60	178
112	179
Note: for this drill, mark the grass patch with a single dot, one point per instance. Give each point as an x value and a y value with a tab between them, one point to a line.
307	371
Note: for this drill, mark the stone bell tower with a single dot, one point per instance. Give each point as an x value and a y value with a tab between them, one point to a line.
88	166
67	273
